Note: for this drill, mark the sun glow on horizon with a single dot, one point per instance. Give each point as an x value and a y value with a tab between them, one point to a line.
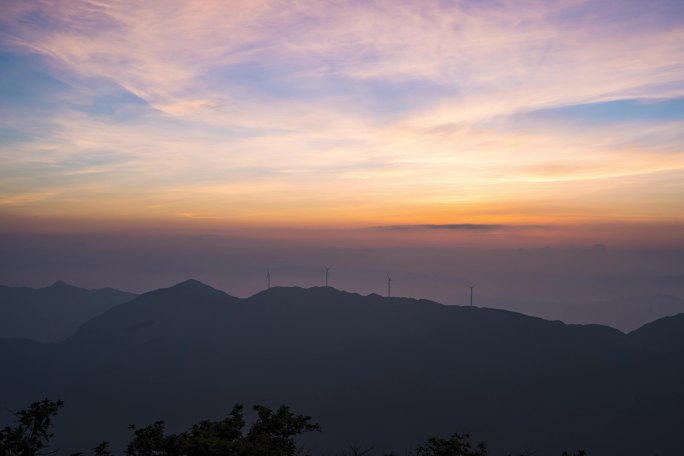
352	115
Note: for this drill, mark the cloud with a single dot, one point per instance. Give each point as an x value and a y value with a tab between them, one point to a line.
380	112
503	58
460	227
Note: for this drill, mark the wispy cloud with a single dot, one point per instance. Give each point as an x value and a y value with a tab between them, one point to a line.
379	112
497	59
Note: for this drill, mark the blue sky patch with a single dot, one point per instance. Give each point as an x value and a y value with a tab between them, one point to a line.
24	80
616	111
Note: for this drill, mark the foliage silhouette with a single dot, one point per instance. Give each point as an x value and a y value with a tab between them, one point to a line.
32	434
102	449
273	434
456	445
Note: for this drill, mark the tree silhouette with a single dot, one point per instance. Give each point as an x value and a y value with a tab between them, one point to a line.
102	449
456	445
32	434
273	434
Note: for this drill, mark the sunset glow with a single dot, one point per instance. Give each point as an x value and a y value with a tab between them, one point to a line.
553	118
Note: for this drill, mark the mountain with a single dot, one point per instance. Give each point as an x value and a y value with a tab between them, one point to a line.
371	370
52	313
625	313
666	332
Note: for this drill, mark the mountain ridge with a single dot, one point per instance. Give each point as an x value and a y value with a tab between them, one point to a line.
625	313
52	313
363	366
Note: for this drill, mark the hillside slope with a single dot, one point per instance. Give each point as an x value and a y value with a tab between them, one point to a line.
52	313
370	370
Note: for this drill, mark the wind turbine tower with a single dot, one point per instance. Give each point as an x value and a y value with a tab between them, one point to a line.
327	274
389	286
471	293
268	279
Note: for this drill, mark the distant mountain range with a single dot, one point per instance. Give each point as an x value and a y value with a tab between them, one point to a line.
52	313
625	314
370	370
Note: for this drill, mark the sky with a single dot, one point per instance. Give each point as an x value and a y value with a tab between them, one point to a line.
488	124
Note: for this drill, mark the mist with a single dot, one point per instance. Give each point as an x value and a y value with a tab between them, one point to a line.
237	265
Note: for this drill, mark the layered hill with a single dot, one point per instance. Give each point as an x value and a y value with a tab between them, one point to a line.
52	313
370	370
625	313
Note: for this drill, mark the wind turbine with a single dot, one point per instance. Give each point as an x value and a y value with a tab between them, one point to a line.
327	273
389	286
268	279
471	293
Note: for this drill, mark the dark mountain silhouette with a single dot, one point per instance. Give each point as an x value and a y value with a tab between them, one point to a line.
666	332
370	370
52	313
625	313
